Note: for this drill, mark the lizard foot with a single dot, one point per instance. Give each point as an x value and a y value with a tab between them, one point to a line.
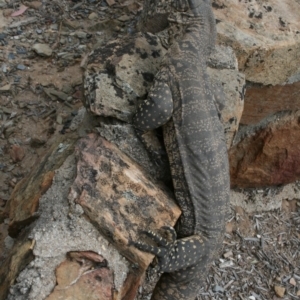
175	254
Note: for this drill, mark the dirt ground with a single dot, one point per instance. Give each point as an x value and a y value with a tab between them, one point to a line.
41	93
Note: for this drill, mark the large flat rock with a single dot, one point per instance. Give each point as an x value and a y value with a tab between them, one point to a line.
119	197
265	36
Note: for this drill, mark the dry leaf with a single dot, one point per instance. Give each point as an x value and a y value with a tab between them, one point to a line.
19	12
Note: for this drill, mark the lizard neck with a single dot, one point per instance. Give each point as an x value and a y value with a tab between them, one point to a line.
196	25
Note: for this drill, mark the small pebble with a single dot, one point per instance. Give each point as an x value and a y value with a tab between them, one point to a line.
293	281
218	289
21	67
279	290
227	264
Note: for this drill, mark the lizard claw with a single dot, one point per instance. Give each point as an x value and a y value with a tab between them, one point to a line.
164	247
173	254
170	232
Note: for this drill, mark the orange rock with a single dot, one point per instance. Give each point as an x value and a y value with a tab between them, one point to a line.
24	199
16	153
261	102
269	154
84	275
279	290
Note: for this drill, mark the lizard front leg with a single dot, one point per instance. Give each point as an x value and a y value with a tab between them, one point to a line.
152	113
157	109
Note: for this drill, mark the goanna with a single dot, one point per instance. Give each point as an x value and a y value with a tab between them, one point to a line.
182	101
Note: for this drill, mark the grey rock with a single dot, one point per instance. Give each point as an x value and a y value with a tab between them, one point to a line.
42	49
21	67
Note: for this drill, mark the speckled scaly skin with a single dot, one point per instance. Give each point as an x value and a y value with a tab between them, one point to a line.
181	100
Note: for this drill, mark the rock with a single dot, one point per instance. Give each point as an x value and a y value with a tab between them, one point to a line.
262	101
256	200
218	289
19	256
93	16
120	72
110	2
124	18
279	290
34	4
5	88
85	275
16	153
267	154
293	281
228	254
21	67
24	200
62	230
81	34
226	264
110	182
267	49
42	49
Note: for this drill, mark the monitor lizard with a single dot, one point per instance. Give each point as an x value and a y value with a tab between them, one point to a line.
183	102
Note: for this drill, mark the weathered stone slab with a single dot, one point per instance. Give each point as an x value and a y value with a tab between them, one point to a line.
267	154
24	201
120	72
262	101
61	230
264	35
19	256
119	197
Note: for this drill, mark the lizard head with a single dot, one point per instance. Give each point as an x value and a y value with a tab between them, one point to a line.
195	11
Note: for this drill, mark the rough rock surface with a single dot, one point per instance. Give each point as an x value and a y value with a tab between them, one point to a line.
84	275
267	154
262	101
119	73
62	228
109	182
24	201
20	255
258	200
264	35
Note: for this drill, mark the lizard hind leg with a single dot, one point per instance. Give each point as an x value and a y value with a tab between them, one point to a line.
175	255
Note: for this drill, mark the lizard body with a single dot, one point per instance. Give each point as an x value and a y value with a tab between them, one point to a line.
182	101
